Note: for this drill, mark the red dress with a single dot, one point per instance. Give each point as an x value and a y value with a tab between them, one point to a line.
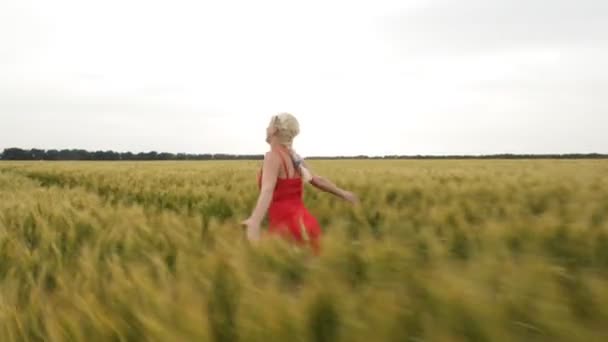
287	215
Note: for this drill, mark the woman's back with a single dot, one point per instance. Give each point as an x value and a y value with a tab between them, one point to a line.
289	181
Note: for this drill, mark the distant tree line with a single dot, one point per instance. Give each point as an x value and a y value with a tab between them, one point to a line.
78	154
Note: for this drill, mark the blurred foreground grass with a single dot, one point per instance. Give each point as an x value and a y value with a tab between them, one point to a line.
438	251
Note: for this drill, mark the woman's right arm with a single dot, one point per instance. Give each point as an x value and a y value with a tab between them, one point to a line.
328	186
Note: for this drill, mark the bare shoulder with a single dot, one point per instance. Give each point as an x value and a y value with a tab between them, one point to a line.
271	158
270	155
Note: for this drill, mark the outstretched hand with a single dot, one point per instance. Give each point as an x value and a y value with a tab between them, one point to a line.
350	197
252	229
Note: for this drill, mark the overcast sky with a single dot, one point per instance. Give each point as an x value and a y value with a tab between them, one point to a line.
363	77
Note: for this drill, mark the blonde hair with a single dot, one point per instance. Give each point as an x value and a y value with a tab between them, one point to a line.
288	128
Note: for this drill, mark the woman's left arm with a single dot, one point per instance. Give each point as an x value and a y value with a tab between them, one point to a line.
270	173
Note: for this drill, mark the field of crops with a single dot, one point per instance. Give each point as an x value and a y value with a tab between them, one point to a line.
436	251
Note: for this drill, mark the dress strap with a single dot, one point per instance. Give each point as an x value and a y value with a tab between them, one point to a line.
284	164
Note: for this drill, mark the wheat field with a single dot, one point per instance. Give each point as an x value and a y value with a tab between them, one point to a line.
450	250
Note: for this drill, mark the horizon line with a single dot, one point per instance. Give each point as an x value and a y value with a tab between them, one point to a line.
349	156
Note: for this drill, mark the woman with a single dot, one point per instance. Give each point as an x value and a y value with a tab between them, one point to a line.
281	183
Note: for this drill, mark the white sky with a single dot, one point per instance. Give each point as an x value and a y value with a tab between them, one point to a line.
363	77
